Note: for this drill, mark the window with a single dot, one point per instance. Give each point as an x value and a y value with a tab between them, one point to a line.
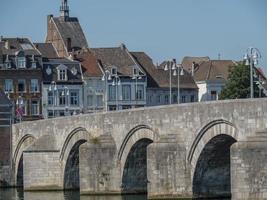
183	99
126	92
50	113
90	100
34	107
62	98
7	65
192	98
21	85
99	100
140	92
112	93
112	108
74	98
34	85
174	99
8	85
158	99
125	107
114	71
62	74
21	62
21	107
213	95
167	99
50	98
135	71
34	65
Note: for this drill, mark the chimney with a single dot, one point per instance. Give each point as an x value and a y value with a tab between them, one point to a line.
7	44
123	47
193	68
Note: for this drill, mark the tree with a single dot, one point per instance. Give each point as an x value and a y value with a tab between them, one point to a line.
238	85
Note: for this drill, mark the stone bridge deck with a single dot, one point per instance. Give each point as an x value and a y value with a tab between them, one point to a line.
167	147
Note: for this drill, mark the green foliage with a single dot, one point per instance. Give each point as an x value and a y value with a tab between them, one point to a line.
238	85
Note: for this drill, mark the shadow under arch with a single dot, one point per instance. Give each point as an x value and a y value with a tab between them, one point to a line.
132	156
209	157
69	157
25	142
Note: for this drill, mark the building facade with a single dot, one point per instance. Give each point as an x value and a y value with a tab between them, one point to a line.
94	87
65	32
124	81
210	75
158	83
21	77
62	88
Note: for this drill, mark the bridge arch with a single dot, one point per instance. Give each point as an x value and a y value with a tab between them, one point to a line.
209	157
25	142
69	157
133	160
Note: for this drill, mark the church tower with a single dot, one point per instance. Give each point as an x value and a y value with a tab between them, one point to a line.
64	10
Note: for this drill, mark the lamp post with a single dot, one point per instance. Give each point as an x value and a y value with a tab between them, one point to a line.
136	77
66	94
251	59
116	82
170	65
19	104
106	77
53	87
180	72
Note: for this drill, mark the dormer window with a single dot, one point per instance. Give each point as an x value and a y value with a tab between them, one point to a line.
33	62
62	76
62	73
114	71
7	62
135	71
21	62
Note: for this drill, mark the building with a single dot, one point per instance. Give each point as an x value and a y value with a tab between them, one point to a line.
6	119
158	86
65	32
123	79
94	86
210	75
21	77
62	83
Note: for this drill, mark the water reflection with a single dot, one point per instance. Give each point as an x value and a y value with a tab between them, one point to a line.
18	194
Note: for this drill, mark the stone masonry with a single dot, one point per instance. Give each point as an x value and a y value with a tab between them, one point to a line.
179	134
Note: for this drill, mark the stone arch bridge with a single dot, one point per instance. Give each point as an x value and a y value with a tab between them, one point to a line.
212	149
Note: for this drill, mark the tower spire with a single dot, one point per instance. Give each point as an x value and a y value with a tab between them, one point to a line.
64	9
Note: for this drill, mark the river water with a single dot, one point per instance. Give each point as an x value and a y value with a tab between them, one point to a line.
18	194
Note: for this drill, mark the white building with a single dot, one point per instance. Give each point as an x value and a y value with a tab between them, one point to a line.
209	75
62	88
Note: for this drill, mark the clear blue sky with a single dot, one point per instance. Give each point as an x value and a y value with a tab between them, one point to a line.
162	28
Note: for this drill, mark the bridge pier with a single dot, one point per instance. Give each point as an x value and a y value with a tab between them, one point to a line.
99	171
168	173
41	166
249	168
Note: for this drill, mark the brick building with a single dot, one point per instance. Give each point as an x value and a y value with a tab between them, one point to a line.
21	77
65	32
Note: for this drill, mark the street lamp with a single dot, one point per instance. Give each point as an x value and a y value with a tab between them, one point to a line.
106	77
53	87
136	77
19	104
251	59
116	82
170	65
66	94
180	72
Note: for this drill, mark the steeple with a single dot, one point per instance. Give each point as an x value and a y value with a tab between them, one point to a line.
64	10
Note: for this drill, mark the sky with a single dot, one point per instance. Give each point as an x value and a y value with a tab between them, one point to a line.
164	29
